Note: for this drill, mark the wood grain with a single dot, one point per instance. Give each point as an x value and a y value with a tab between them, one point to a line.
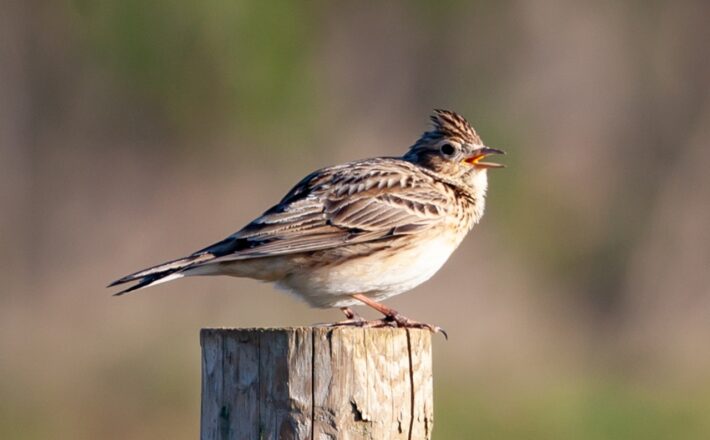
316	383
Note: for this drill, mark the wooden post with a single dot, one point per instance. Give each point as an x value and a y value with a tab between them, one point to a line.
316	383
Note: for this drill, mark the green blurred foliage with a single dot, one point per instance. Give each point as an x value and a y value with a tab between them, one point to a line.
586	410
235	61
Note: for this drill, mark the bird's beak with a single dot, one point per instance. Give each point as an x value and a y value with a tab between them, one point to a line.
479	154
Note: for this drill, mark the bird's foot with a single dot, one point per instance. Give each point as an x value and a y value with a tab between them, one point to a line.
392	319
353	320
357	321
396	322
400	321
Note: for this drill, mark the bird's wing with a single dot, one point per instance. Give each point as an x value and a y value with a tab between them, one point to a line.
354	203
376	199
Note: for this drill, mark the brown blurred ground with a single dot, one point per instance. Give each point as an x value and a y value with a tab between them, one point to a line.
133	132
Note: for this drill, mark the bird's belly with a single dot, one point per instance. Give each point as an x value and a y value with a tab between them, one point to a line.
379	276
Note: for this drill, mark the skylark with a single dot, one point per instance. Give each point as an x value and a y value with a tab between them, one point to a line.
359	232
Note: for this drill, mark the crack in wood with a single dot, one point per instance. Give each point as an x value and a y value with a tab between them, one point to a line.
411	384
357	412
313	384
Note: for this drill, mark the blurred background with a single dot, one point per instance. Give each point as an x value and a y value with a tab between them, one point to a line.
133	132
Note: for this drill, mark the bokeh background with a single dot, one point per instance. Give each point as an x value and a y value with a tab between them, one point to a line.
132	132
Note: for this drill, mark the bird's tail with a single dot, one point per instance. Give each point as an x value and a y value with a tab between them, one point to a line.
161	273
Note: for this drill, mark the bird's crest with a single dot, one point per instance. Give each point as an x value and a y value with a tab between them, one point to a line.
450	124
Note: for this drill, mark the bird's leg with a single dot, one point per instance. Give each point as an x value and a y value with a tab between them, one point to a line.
349	313
394	318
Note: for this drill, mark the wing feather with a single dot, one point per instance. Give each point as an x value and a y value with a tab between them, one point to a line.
365	201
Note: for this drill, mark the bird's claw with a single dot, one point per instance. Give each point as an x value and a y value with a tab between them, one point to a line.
399	321
395	321
356	321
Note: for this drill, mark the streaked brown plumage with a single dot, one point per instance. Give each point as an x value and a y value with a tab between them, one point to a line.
358	232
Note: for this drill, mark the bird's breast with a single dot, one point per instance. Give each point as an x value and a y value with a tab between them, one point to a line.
381	274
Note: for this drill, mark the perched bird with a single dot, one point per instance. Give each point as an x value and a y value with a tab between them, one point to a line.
359	232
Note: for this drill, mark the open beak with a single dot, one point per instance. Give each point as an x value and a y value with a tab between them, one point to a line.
480	154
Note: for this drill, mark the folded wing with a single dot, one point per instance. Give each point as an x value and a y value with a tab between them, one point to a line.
377	199
337	207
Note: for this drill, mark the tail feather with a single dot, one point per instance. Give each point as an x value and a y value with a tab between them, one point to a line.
161	273
152	280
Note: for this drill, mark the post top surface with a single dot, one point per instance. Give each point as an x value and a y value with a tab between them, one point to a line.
317	328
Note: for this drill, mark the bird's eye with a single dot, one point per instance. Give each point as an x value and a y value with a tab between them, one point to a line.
448	149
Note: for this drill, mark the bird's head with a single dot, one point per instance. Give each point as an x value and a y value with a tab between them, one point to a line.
453	149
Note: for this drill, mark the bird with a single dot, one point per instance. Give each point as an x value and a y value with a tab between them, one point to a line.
359	232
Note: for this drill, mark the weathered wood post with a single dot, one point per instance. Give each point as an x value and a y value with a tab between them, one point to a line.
316	383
